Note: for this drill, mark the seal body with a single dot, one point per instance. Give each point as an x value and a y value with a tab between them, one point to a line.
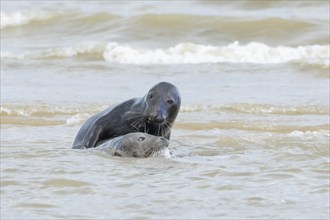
153	114
136	144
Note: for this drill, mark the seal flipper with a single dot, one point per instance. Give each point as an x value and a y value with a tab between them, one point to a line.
92	137
78	147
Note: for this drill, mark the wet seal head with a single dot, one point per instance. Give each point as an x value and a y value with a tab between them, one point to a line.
163	103
138	144
161	106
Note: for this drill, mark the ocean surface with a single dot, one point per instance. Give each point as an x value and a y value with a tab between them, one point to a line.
251	140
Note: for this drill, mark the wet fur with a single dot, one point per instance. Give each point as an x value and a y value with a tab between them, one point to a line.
154	114
139	145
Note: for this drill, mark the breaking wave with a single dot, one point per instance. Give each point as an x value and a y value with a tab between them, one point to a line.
189	53
186	53
19	18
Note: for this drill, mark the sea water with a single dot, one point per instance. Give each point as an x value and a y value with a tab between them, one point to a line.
251	140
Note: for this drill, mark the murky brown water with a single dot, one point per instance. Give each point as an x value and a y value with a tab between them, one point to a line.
251	139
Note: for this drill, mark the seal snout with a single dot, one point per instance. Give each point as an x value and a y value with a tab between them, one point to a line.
156	118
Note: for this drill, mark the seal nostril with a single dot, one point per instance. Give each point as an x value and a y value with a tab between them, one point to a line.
155	119
159	120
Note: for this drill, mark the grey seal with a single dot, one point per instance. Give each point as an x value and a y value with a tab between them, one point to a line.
153	113
136	144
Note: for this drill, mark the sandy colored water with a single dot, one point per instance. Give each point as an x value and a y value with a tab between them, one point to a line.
251	140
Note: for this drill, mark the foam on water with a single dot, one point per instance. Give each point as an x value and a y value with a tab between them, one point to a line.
310	134
19	18
253	52
186	53
85	48
77	119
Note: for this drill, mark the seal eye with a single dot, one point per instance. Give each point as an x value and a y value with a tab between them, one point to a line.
151	96
141	138
170	101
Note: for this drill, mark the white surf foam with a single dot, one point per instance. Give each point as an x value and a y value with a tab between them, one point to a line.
85	48
18	18
77	119
186	53
310	134
189	53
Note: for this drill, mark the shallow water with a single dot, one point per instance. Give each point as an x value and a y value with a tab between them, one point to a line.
252	136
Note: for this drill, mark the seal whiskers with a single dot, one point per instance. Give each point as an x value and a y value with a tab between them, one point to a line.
136	124
137	120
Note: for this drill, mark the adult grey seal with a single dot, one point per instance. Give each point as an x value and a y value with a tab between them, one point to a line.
136	144
154	114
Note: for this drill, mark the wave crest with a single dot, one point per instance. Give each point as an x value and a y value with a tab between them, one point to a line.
189	53
18	18
186	53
